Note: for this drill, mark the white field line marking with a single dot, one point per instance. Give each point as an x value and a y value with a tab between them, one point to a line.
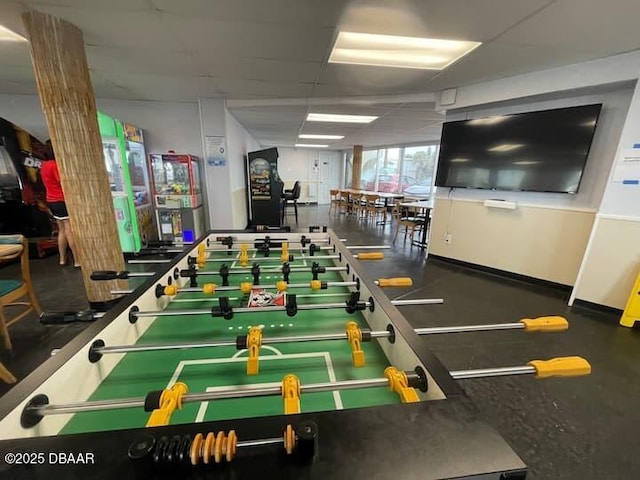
202	410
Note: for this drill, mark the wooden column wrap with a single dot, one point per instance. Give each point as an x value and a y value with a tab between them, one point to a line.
69	106
356	169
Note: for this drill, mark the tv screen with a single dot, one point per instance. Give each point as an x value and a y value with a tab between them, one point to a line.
543	151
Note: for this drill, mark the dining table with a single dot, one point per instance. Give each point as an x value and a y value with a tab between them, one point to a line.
386	196
423	208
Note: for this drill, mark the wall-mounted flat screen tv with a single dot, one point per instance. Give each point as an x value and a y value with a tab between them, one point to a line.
544	151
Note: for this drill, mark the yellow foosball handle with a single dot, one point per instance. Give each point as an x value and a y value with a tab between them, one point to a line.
545	324
561	367
395	282
371	256
291	393
170	400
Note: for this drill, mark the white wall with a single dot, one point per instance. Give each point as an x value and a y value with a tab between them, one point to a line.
547	235
612	258
166	125
612	117
239	143
303	164
26	112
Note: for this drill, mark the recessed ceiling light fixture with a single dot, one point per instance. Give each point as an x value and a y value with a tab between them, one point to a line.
402	52
311	136
7	35
310	145
330	117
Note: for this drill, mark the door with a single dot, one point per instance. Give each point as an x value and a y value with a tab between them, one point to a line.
330	168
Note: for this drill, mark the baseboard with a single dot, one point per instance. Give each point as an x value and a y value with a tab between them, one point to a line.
597	307
504	274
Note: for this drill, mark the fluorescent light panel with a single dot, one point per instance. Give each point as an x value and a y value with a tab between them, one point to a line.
310	145
311	136
330	117
7	35
402	52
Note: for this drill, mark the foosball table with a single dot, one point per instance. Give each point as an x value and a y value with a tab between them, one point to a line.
259	354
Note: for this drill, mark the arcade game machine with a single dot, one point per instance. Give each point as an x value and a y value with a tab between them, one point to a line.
264	188
124	159
23	207
140	186
178	197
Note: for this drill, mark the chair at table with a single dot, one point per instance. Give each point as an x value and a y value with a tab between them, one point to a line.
292	196
6	375
404	218
336	198
374	207
12	247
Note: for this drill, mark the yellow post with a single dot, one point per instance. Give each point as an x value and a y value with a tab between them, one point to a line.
631	312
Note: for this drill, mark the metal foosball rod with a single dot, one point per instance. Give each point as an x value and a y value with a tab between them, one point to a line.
279	249
65	317
541	324
281	286
290	258
150	261
226	311
103	275
39	406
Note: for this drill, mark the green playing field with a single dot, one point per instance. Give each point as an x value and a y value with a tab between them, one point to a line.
207	369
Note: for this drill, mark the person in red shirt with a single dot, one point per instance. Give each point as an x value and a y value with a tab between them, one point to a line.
55	200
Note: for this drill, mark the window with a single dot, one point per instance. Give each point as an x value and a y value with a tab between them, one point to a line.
407	170
419	165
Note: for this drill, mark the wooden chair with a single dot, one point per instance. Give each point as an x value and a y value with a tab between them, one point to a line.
11	247
335	199
403	219
373	207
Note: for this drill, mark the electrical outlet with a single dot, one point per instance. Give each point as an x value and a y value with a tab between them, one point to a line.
448	238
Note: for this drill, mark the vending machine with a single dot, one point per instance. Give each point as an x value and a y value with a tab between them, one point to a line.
177	196
124	156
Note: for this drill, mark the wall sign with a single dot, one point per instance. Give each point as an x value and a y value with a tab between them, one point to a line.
216	151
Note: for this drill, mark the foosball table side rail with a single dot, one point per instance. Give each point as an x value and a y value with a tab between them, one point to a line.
68	376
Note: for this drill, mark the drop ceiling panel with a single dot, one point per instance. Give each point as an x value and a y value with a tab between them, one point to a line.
119	5
478	20
251	39
232	88
17	88
136	30
14	54
114	61
367	77
256	69
158	87
293	12
501	60
595	27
